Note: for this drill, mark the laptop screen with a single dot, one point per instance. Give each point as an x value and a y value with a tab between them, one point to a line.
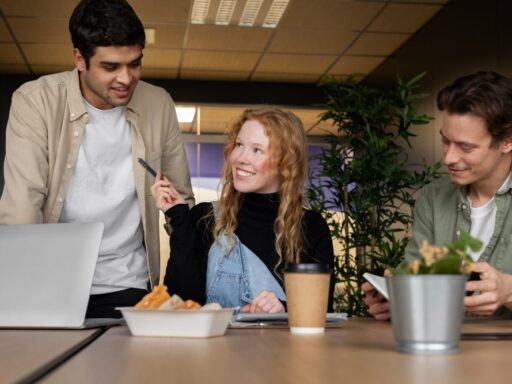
46	273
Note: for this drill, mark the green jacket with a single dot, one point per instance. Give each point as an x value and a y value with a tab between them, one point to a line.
443	210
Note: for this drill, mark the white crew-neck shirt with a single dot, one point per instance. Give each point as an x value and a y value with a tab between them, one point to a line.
483	221
102	189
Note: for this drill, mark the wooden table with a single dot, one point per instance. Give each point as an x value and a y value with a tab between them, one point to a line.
362	351
27	354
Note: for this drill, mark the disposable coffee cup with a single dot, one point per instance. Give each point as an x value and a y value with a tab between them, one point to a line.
307	294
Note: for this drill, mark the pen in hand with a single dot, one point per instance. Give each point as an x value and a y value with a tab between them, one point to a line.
147	167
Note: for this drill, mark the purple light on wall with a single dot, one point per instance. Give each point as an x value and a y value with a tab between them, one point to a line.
210	158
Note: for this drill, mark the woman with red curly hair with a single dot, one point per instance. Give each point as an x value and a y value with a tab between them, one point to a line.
233	251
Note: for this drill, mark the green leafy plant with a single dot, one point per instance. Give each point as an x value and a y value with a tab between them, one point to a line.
452	259
364	184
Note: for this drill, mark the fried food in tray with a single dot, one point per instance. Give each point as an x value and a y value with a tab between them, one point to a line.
159	298
155	298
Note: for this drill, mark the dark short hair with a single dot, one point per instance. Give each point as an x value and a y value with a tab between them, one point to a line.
104	23
487	95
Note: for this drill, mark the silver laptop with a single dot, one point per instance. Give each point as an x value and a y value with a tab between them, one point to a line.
46	273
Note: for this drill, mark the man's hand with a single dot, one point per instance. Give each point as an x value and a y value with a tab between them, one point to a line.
266	302
378	306
495	290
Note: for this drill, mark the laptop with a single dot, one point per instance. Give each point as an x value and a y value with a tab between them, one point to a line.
46	273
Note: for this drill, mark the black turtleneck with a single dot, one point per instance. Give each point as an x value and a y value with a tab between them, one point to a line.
192	237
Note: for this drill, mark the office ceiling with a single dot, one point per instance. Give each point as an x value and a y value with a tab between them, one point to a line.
315	38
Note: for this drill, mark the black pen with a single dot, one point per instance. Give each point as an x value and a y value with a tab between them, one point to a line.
147	167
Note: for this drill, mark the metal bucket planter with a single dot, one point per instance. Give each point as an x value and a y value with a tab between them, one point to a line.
427	312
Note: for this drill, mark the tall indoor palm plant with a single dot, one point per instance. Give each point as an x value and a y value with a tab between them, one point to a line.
364	185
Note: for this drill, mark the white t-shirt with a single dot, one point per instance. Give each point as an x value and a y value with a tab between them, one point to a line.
482	225
483	220
102	189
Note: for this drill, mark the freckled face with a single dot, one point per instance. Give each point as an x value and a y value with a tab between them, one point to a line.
252	167
112	75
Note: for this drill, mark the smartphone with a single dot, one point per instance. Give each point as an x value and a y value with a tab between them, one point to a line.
472	276
147	167
378	282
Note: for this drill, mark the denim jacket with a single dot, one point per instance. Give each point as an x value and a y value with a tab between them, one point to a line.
236	275
443	210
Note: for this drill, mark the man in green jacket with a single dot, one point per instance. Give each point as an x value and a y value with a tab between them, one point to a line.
477	196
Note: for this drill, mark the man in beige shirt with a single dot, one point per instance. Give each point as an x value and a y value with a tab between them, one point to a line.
72	144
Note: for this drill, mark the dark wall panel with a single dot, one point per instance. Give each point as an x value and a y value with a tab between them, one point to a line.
464	37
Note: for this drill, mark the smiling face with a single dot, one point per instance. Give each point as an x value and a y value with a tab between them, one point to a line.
112	75
251	163
469	154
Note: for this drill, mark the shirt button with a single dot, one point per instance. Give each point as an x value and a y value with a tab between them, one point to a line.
68	166
464	206
72	115
75	133
59	200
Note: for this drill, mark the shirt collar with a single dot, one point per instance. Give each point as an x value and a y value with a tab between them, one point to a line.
506	187
75	102
77	106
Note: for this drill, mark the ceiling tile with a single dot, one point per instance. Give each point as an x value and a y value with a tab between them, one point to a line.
346	15
218	119
161	58
50	8
190	74
219	61
381	44
311	36
14	68
285	77
311	41
162	11
405	18
48	54
355	64
227	38
219	114
10	54
308	116
5	36
167	36
304	64
40	30
159	73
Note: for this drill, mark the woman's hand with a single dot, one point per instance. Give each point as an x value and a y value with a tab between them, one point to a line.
266	302
164	194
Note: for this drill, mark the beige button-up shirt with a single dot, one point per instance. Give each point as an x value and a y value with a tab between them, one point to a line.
45	127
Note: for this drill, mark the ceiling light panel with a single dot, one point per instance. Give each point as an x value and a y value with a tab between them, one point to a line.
225	12
250	12
185	114
275	13
200	11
